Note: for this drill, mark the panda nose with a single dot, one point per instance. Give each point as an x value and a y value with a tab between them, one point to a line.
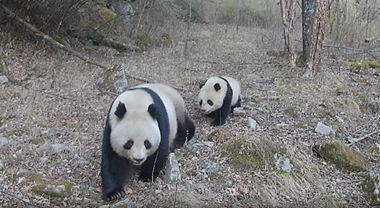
138	159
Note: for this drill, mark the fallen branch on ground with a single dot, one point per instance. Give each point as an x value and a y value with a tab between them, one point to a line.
59	45
354	140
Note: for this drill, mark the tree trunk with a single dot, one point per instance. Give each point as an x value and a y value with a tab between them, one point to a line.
314	17
288	13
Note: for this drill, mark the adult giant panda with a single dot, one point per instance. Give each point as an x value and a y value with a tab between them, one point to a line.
218	97
140	128
186	128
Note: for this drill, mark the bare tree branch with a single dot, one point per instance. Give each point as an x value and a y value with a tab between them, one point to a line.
59	45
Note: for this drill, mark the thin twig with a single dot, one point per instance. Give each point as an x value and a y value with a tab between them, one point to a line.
354	140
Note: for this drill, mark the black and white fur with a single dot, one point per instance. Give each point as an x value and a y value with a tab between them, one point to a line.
140	129
186	128
218	97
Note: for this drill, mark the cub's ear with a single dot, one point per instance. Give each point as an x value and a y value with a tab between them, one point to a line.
120	110
152	111
217	87
201	85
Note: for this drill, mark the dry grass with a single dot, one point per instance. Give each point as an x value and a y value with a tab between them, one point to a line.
53	97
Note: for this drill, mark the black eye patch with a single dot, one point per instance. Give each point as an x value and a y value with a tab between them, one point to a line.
210	102
147	144
128	145
200	102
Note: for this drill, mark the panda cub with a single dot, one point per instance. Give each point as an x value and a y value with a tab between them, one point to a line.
141	126
218	97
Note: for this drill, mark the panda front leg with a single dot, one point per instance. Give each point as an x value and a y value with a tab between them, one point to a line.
115	170
221	116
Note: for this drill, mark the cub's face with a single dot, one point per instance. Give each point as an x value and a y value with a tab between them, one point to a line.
211	96
136	137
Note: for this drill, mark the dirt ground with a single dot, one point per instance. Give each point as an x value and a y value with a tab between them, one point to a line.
53	100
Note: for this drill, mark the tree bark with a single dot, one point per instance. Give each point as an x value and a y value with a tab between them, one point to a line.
314	17
288	13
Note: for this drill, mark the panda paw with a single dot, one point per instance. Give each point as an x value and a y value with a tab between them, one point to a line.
114	194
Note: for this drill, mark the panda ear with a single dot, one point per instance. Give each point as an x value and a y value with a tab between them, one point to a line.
201	85
120	110
217	87
152	111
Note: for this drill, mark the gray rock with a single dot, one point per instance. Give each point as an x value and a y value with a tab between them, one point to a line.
323	129
53	188
239	111
3	141
80	162
341	120
282	163
53	149
123	10
172	172
114	80
52	134
211	167
252	123
4	80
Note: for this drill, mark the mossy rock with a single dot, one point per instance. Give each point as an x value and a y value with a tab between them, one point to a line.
371	186
102	19
165	41
342	156
143	41
36	141
54	189
45	186
220	135
113	79
291	112
243	153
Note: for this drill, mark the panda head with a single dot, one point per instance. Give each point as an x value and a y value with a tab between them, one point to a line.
135	134
212	95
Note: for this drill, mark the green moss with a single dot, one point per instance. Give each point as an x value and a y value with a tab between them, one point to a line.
165	40
220	135
245	154
357	66
342	156
143	41
291	112
36	141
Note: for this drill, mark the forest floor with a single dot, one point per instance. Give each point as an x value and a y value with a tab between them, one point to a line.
52	118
